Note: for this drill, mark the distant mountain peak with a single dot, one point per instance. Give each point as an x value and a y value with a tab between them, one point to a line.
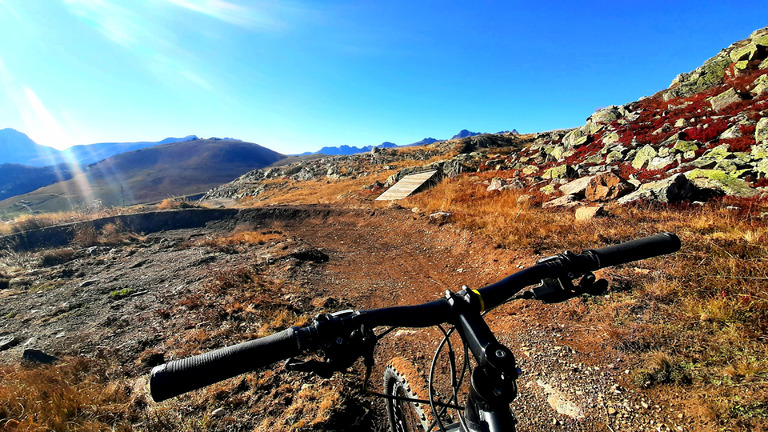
464	133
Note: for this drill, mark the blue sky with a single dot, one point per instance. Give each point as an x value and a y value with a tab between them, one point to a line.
295	76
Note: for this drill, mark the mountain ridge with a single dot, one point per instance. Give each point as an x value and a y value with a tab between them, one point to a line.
148	174
18	148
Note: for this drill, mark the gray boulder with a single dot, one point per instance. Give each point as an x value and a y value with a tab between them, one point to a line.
724	99
761	130
671	190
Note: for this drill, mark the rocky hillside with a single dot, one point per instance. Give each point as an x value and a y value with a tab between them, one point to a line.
704	136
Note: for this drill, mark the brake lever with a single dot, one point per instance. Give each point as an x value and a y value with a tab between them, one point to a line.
556	290
340	352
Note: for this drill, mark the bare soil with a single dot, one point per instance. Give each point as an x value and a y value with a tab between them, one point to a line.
167	296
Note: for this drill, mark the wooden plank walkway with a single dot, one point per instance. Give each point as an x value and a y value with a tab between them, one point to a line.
406	186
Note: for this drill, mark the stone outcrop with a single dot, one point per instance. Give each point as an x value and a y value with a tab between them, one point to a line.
607	187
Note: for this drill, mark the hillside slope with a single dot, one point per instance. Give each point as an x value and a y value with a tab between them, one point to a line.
149	174
18	179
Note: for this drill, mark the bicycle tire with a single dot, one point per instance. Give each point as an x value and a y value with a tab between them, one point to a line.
402	379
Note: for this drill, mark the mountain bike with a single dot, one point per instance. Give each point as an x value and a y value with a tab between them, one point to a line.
412	403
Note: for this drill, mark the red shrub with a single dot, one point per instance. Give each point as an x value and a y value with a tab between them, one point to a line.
704	134
584	151
740	144
747	129
744	79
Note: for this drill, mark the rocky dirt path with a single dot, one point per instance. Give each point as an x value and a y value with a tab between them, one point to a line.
394	258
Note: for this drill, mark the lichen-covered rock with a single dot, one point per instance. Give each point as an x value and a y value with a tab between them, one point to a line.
724	99
607	186
718	153
761	130
571	137
732	132
560	172
614	156
496	184
643	156
660	162
761	168
530	169
704	77
719	180
759	151
610	138
670	190
606	115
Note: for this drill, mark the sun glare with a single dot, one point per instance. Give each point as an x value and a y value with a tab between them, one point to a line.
42	126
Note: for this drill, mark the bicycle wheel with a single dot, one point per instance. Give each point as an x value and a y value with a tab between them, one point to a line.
401	379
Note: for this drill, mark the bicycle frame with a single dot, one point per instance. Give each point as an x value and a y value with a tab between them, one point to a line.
492	383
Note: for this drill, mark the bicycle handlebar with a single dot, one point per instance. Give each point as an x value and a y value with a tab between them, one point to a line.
647	247
180	376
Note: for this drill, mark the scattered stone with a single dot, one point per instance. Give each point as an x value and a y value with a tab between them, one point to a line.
607	186
560	172
310	254
720	182
37	356
7	342
673	189
218	412
566	201
576	187
496	184
324	302
440	218
643	156
606	115
588	213
761	130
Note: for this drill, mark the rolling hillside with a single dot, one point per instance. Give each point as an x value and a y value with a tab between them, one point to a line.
147	175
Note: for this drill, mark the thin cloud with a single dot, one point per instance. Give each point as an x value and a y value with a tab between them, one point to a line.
259	15
145	35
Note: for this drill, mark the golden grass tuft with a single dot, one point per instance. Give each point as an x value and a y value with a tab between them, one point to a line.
76	395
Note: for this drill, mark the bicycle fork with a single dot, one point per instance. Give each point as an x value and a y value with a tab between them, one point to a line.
492	383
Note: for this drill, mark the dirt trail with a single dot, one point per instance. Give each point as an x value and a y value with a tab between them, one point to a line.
396	258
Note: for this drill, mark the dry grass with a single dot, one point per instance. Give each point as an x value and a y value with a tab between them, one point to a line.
87	235
76	395
175	203
232	243
30	222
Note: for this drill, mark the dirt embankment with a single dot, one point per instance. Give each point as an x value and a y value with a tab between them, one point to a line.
179	292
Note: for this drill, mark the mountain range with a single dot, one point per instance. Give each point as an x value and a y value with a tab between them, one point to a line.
346	150
147	175
18	148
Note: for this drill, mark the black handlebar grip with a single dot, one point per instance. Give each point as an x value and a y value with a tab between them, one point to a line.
647	247
180	376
